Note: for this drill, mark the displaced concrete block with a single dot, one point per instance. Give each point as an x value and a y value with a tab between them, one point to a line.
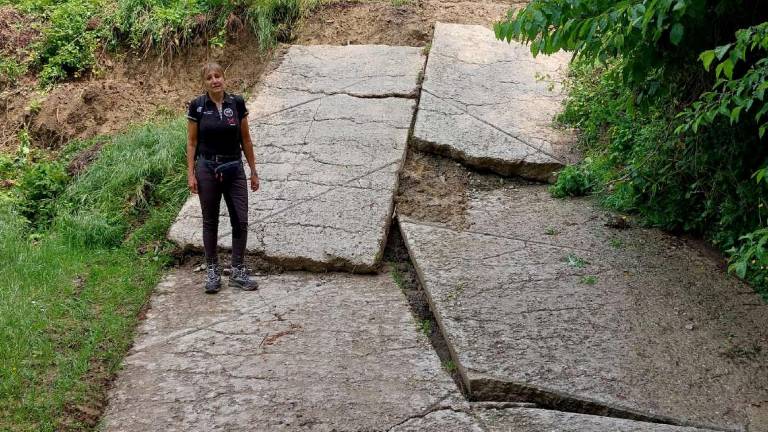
491	105
330	127
540	301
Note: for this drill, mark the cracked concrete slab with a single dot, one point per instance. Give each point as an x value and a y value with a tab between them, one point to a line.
307	73
328	154
478	419
324	352
491	105
540	301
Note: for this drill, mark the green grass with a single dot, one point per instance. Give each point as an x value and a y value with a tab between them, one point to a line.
71	293
74	32
575	261
397	276
425	326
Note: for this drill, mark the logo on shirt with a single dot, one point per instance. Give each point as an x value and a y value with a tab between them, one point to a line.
228	112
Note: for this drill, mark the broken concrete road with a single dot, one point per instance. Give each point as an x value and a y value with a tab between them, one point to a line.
330	127
306	352
540	301
491	105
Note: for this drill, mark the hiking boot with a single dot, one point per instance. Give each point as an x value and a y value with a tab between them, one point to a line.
239	278
212	278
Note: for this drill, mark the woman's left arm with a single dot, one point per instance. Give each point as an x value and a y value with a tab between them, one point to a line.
248	150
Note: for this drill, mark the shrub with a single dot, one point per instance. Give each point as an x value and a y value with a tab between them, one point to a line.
69	41
38	189
574	180
10	71
668	138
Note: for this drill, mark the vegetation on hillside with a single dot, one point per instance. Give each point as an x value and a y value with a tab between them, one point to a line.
75	32
669	96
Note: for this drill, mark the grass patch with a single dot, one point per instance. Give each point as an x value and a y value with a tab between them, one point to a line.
575	261
73	290
450	366
425	326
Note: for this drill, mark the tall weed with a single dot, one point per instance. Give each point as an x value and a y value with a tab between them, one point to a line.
71	294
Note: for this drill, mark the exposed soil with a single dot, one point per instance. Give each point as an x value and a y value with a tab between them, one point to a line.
136	89
410	24
130	89
436	189
17	32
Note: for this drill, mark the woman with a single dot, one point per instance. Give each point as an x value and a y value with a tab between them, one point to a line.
217	132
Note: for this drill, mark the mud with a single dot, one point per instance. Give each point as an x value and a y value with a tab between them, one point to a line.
435	189
381	22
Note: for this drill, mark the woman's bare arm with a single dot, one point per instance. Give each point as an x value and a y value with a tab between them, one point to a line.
248	150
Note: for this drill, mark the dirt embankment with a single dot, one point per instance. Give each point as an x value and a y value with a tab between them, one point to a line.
128	90
410	24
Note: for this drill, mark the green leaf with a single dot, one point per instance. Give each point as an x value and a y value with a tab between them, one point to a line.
740	268
721	50
735	114
706	58
676	34
726	67
759	175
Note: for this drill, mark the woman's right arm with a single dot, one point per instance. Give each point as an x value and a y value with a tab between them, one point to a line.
191	147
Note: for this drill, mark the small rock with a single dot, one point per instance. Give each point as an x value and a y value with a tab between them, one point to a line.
618	222
199	268
689	326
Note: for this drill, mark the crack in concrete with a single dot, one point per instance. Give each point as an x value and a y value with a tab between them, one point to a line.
360	95
309	225
523	240
340	91
311	198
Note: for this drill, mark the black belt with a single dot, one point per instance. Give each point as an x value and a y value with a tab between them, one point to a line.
218	158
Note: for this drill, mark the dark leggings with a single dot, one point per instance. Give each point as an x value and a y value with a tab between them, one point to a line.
235	192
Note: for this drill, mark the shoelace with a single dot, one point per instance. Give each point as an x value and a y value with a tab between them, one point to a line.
240	272
212	272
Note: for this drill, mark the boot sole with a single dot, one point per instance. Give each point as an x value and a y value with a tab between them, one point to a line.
233	284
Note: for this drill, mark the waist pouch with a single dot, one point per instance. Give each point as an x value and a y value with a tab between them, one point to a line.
226	172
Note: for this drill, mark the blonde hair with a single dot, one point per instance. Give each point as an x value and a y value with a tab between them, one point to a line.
210	67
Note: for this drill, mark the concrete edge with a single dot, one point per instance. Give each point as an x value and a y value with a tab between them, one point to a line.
542	397
498	166
435	312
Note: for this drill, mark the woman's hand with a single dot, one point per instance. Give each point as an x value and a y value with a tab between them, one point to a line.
192	183
254	181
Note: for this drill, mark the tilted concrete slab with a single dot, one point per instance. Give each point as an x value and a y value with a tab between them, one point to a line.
478	419
306	352
491	104
329	143
540	301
